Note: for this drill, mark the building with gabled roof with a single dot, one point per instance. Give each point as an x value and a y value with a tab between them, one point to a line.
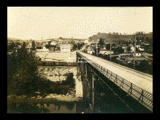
65	47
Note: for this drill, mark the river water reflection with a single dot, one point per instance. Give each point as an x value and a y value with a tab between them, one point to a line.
71	107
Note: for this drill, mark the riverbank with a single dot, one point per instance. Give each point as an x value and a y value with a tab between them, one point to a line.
50	104
51	98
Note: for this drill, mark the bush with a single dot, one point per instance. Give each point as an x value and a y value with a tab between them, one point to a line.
70	81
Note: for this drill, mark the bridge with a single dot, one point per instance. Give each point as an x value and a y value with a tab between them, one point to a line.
134	83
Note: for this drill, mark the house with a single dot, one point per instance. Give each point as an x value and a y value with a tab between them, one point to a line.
95	41
52	46
121	57
42	50
29	48
128	58
90	50
86	41
65	47
140	48
149	57
105	52
138	54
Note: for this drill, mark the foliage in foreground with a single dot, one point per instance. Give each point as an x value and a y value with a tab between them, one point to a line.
23	77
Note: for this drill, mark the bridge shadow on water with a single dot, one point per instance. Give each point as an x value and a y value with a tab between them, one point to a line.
109	98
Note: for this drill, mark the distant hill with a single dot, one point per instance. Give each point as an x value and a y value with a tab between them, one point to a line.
117	36
13	39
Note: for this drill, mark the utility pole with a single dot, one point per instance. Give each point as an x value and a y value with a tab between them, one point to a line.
134	53
110	49
96	49
97	46
77	46
93	91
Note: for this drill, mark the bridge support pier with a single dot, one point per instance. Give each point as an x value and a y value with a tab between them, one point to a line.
93	79
89	81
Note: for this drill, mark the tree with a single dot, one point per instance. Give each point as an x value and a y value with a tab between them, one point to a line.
101	42
108	46
143	66
70	80
33	45
96	50
74	46
79	45
128	49
120	50
11	46
22	72
48	45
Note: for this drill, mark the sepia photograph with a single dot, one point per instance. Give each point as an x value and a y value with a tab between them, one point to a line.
79	60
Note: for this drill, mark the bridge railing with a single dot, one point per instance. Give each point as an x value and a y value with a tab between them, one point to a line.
136	92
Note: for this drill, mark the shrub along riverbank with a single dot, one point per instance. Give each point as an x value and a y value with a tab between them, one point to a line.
64	87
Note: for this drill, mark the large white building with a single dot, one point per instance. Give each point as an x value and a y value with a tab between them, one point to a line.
65	47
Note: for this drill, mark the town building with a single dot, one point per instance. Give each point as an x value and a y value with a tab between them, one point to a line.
127	58
106	52
65	47
149	57
29	47
52	46
42	50
86	41
90	50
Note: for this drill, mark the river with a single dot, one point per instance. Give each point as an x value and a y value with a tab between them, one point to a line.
70	103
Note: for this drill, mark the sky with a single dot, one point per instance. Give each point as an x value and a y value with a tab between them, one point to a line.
78	22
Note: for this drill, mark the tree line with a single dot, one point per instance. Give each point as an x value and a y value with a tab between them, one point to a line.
140	35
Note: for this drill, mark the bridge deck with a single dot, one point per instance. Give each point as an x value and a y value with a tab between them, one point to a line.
138	78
